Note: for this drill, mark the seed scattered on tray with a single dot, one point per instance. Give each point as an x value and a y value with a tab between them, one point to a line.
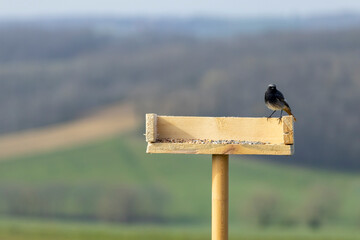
209	141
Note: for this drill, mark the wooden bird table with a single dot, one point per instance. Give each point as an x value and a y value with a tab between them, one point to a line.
219	136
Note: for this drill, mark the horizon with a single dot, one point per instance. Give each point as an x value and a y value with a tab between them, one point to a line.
177	17
17	9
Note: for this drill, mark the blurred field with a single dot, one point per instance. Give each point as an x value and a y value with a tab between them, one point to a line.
101	124
91	179
16	229
114	180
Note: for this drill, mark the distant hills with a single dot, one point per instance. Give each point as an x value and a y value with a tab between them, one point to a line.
200	26
56	70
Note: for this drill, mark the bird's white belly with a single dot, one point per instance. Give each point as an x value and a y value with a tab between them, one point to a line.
273	107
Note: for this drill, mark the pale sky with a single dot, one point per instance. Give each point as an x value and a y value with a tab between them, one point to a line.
231	8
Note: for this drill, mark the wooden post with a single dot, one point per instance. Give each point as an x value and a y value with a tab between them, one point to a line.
220	197
219	136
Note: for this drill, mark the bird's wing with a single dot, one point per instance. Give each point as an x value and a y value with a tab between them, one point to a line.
281	98
287	108
279	95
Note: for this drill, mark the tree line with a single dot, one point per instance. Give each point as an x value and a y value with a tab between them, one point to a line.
50	76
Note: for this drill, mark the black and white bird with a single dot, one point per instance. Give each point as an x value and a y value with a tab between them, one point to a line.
275	101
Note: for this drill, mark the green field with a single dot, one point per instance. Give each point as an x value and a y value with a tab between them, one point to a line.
20	229
169	191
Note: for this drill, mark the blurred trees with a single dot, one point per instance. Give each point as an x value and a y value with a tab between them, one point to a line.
49	76
119	203
263	207
321	205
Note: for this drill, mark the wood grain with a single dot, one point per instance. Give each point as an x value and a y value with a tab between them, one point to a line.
151	122
257	136
288	130
225	128
246	149
220	197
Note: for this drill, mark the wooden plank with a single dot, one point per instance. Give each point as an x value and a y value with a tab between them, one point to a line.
224	128
288	130
188	148
151	132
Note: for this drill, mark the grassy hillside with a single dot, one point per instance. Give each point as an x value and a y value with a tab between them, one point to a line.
115	177
100	124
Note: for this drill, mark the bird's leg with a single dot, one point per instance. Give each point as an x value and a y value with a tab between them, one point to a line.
280	116
271	114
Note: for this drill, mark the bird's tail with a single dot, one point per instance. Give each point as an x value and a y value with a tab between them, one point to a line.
288	110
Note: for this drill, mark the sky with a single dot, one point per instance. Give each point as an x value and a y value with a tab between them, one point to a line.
230	8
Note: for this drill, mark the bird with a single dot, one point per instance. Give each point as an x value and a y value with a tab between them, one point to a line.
275	100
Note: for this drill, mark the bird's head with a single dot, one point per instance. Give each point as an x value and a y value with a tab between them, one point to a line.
272	87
